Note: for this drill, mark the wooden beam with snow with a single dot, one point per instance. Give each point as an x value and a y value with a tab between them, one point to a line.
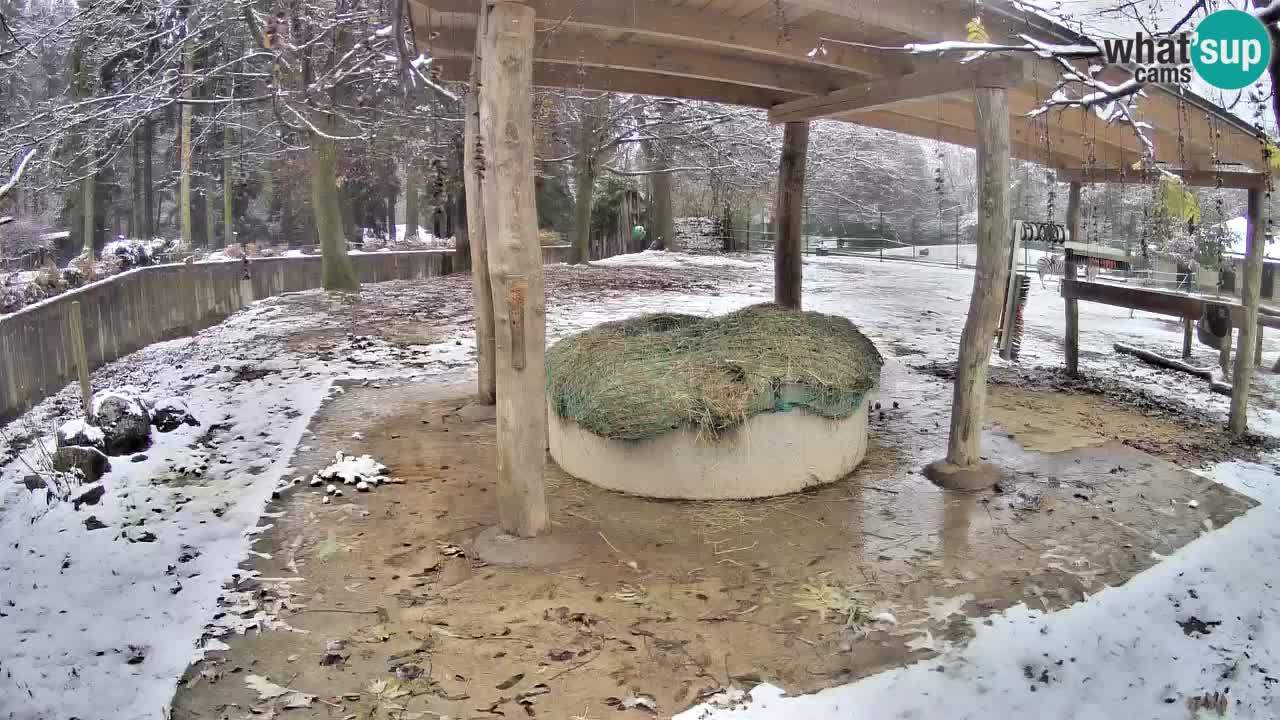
1134	298
640	83
788	244
515	266
1198	178
1242	375
675	62
1001	72
696	28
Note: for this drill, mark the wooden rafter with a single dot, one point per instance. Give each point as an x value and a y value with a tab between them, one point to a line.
676	62
1000	72
642	83
695	27
1202	178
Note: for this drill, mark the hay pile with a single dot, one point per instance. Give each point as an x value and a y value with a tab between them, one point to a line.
648	375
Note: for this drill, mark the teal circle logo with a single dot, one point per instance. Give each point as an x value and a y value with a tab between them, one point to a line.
1231	49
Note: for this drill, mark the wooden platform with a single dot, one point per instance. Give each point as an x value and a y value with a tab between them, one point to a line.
1162	302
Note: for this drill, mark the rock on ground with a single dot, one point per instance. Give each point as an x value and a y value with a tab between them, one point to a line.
81	434
90	461
172	413
124	420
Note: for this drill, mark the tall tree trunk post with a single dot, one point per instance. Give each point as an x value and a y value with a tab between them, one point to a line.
1249	291
184	143
515	265
135	188
585	179
347	210
664	234
391	216
88	188
1072	340
210	210
962	467
474	166
148	188
410	201
228	195
788	216
461	232
337	273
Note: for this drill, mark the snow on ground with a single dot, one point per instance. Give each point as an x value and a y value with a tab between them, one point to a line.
946	254
1131	651
73	600
675	260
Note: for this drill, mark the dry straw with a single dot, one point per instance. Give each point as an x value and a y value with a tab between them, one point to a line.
648	375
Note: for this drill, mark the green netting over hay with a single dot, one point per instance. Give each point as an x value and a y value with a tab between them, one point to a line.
648	375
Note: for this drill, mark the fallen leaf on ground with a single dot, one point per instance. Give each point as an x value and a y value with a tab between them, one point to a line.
510	682
280	695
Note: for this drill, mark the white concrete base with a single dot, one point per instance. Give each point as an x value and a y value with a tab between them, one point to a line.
771	454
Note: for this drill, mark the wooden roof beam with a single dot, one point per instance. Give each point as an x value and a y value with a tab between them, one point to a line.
938	80
659	20
602	80
954	134
597	52
1200	178
928	20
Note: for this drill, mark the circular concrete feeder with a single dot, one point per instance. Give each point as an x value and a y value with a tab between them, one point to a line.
770	454
763	401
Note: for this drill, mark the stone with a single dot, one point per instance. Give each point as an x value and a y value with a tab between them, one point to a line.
124	420
89	496
90	461
79	433
93	523
172	413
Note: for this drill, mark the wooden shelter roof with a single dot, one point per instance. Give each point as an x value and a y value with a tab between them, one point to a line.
758	53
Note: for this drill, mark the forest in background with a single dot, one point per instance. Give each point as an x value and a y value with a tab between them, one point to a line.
251	126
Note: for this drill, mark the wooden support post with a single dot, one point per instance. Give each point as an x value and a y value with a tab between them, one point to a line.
1072	339
81	358
1249	291
481	287
1257	349
515	265
991	273
788	269
1188	329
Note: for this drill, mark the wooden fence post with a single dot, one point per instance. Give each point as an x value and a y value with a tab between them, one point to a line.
1072	339
1249	292
1188	328
81	358
788	268
515	266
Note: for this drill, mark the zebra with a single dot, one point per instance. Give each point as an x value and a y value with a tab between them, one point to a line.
1057	265
1050	265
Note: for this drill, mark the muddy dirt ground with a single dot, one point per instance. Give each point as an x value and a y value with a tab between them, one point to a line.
663	603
